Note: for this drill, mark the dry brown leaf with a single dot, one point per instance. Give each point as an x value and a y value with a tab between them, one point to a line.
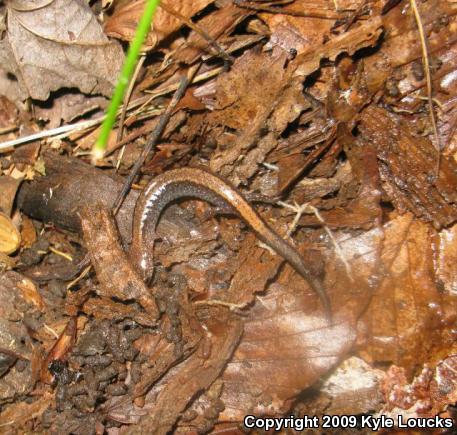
122	24
60	350
349	42
410	318
115	273
248	89
14	336
30	293
21	412
28	232
429	393
402	46
217	24
67	107
58	44
10	238
298	33
259	265
407	168
8	187
287	344
282	352
256	93
8	112
27	154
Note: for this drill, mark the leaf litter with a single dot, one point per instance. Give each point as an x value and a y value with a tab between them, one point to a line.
321	116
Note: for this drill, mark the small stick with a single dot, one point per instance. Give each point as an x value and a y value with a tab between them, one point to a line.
70	128
428	77
308	208
197	29
309	13
154	136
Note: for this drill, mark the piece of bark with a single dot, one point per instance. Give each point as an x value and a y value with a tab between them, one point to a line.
69	185
59	351
8	187
116	275
407	169
14	336
191	377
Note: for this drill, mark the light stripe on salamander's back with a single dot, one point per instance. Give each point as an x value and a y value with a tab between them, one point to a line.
201	184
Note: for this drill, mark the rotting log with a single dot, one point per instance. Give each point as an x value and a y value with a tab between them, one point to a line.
70	184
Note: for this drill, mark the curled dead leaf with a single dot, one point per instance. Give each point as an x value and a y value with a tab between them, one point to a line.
28	232
6	262
59	351
30	293
123	22
23	412
59	44
8	187
10	239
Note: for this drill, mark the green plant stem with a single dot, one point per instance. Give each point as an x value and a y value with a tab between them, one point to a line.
130	62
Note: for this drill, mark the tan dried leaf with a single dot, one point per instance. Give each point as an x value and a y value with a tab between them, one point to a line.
6	262
59	351
283	351
30	293
28	232
56	44
10	238
410	318
19	413
8	187
122	24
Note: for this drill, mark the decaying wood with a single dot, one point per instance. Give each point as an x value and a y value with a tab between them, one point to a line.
193	376
69	185
407	169
115	273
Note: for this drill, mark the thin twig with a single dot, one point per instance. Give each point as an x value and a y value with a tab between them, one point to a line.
215	302
82	274
197	29
8	129
128	94
68	257
428	77
307	208
65	129
306	12
155	136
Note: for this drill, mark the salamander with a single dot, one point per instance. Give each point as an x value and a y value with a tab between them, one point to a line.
201	184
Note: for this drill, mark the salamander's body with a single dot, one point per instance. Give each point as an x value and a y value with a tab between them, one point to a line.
201	184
